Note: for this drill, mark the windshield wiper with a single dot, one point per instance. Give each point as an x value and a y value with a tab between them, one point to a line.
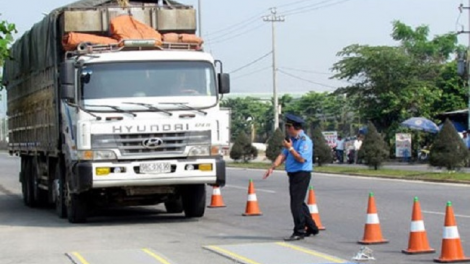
86	111
151	107
188	107
116	108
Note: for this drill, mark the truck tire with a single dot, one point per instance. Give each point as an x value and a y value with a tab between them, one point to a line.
194	200
77	210
59	191
174	206
27	184
41	197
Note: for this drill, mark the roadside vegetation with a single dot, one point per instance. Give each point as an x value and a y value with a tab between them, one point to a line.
456	177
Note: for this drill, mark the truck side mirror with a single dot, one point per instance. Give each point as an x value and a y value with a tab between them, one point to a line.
67	80
224	83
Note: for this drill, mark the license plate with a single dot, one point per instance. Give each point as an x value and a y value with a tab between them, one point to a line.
155	167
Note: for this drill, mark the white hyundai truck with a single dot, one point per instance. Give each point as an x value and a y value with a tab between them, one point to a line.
118	124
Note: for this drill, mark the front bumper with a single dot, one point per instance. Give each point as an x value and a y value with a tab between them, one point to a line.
86	178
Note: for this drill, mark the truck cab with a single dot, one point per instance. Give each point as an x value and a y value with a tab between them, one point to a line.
142	125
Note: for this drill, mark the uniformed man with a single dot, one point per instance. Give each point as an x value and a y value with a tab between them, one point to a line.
297	155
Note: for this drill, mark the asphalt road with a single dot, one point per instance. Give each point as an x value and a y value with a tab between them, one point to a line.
38	236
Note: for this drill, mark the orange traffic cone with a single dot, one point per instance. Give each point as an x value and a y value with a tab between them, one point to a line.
216	199
313	208
252	207
451	250
418	241
372	231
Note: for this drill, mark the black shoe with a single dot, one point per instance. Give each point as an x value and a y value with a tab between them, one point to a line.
312	232
295	237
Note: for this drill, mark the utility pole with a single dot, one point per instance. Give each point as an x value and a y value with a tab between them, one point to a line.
199	15
273	18
467	58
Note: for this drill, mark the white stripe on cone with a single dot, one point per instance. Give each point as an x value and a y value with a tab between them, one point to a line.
313	208
450	232
372	219
252	197
417	226
216	191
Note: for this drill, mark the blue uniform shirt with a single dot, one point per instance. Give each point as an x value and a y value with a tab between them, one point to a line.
304	146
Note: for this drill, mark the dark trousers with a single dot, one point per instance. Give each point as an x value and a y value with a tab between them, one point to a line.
298	185
340	155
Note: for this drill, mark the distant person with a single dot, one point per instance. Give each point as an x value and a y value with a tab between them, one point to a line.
297	155
357	147
466	138
340	149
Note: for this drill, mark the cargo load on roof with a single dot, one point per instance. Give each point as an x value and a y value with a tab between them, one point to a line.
41	46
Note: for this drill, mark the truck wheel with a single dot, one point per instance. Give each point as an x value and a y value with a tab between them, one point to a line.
59	192
194	200
77	210
40	195
174	206
27	184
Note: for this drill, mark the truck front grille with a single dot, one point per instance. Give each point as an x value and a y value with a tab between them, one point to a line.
143	144
171	143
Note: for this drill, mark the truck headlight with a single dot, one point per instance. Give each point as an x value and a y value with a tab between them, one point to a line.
104	141
199	151
97	155
199	137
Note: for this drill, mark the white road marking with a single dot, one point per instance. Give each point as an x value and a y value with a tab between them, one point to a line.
246	188
441	213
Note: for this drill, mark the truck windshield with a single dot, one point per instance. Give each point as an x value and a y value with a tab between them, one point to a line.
147	79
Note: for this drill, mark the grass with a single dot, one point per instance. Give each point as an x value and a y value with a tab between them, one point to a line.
456	177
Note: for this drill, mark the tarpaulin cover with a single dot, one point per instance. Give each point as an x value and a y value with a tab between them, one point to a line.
71	40
127	27
182	38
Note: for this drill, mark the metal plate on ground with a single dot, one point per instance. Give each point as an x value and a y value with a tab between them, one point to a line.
273	253
127	256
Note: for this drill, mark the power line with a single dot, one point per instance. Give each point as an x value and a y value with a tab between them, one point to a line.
292	3
306	80
251	63
301	11
236	25
228	33
286	12
234	36
251	73
306	71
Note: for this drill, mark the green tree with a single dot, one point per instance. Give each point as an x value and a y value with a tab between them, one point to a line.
6	37
448	150
321	151
243	149
248	113
322	109
453	93
392	83
274	145
374	150
236	152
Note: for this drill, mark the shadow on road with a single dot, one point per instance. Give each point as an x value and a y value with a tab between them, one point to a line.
14	213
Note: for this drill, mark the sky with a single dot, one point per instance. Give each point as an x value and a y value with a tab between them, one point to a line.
306	42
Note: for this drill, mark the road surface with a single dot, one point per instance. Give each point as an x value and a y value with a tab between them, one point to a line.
36	236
